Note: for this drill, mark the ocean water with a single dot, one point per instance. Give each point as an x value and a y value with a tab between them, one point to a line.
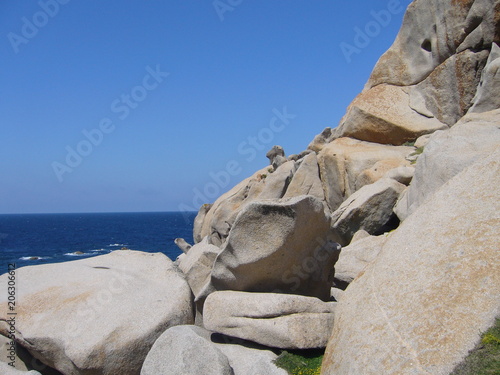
30	239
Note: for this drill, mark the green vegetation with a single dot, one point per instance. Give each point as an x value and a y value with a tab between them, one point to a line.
412	143
484	359
301	362
418	151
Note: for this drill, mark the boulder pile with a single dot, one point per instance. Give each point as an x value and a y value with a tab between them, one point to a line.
379	242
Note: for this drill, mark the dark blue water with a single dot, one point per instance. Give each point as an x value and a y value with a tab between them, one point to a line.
50	238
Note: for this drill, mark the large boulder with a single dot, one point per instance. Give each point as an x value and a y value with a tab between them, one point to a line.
278	246
248	358
448	92
447	153
181	350
197	265
306	180
432	32
369	208
422	304
99	315
344	160
198	222
276	183
277	320
430	76
354	258
194	350
216	222
383	115
487	97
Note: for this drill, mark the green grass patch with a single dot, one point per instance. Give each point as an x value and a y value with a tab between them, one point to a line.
418	151
484	359
301	362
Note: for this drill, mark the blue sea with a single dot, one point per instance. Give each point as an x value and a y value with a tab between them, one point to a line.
30	239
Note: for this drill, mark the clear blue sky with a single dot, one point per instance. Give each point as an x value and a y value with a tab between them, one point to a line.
71	68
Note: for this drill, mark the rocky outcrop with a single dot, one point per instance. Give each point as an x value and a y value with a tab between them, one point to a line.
347	164
278	246
428	79
306	180
354	258
369	208
276	320
383	115
432	289
182	351
198	222
197	265
98	315
206	353
487	98
447	153
432	32
403	175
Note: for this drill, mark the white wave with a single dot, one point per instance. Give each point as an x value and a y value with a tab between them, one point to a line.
34	257
116	244
98	250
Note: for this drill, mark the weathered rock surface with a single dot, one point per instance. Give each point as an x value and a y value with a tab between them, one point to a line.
273	152
276	183
244	358
182	244
5	369
403	175
281	246
99	315
432	32
448	92
277	320
354	258
181	350
306	180
447	153
433	288
217	221
21	360
198	222
342	161
369	208
429	77
197	265
383	115
487	98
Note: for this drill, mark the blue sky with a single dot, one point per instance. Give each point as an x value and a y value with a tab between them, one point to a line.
112	106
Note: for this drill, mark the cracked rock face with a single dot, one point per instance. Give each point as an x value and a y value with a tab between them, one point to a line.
277	320
278	246
432	289
430	76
